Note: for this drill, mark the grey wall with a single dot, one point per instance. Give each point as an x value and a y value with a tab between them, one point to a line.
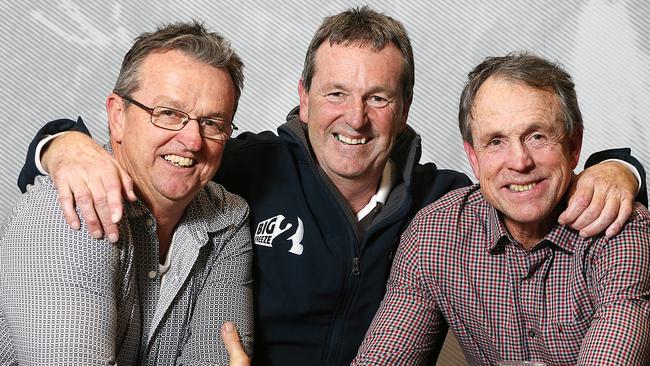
60	59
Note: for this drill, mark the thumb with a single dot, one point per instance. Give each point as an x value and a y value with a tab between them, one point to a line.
233	345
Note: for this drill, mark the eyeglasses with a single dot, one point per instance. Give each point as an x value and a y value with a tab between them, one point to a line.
174	120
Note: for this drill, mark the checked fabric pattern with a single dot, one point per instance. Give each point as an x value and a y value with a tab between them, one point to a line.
70	299
568	301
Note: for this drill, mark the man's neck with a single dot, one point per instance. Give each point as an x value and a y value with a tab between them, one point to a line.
356	193
528	235
359	195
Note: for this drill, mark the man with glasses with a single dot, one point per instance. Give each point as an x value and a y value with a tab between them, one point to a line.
330	194
181	267
213	128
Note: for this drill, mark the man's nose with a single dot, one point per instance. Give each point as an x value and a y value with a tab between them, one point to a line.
520	158
190	135
356	113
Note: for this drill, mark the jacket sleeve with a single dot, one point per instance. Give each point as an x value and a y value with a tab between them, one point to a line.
29	170
624	154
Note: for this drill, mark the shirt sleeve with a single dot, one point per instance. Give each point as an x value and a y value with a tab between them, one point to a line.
57	285
620	331
408	324
226	296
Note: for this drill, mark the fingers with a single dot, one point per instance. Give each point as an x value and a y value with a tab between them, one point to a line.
127	188
624	213
67	205
89	176
601	200
233	345
599	219
102	206
579	201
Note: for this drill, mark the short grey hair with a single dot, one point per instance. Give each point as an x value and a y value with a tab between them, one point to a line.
191	38
531	70
363	26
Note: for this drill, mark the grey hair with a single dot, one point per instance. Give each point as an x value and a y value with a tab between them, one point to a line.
363	26
531	70
193	39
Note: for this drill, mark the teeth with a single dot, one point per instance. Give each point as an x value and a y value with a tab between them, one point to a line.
350	141
179	160
521	188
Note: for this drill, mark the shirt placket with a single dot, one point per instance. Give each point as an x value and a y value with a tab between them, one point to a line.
533	300
147	259
515	329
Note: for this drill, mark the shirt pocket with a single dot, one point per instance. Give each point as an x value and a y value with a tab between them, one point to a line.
565	333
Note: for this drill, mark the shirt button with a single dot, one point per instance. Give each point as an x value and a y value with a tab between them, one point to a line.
149	222
152	274
531	333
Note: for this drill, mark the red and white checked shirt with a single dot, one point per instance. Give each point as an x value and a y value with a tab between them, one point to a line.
568	301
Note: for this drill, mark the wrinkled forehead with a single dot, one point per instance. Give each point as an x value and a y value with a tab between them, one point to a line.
515	104
338	58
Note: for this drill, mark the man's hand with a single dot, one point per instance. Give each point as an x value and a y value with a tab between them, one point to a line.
86	174
233	345
601	197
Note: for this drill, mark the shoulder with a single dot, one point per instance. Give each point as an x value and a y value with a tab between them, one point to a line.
636	231
249	157
452	217
249	141
225	203
453	203
637	227
433	183
629	248
36	209
37	229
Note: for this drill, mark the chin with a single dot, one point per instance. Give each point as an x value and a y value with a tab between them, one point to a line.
528	217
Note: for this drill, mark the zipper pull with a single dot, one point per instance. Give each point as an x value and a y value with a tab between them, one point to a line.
355	266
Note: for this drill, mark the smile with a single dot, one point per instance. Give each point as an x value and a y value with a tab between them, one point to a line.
179	160
350	141
520	187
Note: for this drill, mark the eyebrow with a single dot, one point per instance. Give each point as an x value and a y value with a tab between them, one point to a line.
174	103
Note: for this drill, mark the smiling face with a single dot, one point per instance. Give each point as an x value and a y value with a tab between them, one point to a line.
520	155
169	167
354	110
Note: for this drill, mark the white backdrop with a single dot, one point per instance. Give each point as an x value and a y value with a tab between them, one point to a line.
60	59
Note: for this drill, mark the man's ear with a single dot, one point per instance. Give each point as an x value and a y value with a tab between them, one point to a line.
473	159
304	101
116	112
575	145
405	114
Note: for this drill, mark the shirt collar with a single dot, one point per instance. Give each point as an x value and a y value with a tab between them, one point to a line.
385	185
561	236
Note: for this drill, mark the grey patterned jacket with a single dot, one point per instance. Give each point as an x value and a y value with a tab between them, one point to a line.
66	298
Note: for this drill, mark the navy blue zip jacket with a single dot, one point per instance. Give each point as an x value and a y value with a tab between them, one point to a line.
318	279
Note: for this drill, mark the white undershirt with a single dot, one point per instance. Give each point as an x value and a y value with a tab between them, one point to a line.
385	186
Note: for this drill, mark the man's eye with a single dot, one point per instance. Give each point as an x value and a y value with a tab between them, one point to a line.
167	112
377	101
335	97
495	142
